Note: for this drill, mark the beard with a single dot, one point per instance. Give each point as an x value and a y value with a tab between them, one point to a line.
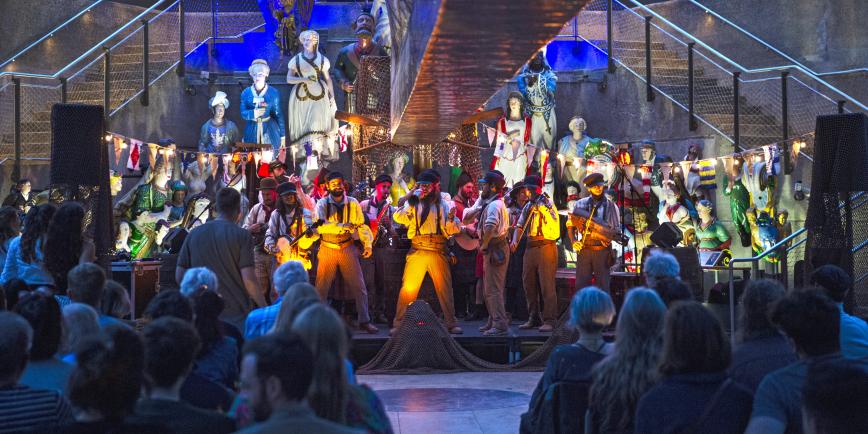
336	194
487	194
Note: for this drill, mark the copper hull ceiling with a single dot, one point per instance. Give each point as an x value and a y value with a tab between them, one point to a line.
450	56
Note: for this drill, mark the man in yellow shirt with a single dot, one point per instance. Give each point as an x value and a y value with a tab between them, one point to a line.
540	219
430	221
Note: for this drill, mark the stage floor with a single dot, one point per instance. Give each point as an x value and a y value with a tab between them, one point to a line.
471	331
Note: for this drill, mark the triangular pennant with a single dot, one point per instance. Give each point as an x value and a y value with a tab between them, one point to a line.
135	155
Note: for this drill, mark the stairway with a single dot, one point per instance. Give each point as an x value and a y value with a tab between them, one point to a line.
712	95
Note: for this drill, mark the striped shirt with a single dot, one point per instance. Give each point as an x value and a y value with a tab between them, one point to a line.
23	409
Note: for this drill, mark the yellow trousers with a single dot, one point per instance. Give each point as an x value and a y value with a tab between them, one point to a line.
420	262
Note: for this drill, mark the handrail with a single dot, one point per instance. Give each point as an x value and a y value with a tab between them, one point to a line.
738	65
769	46
97	46
51	32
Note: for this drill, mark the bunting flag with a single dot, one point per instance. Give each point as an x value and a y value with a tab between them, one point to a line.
119	146
135	155
666	170
707	174
344	133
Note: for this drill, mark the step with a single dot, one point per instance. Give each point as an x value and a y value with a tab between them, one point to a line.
640	52
636	45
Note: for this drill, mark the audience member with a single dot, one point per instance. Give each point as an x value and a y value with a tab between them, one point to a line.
14	289
619	380
591	310
23	409
65	246
217	359
762	348
276	373
10	226
295	300
658	265
694	394
196	280
24	260
170	347
836	283
115	300
226	249
45	370
261	320
835	398
80	324
330	394
811	321
169	303
86	285
106	383
672	289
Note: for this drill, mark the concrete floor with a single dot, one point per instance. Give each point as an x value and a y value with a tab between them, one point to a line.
467	402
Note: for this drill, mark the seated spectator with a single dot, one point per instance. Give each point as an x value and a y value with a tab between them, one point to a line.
276	373
217	359
86	283
835	398
330	395
261	320
811	321
295	300
836	283
45	370
23	409
115	300
170	346
694	393
169	303
762	348
197	390
672	289
10	227
14	290
591	310
619	380
660	264
66	246
24	259
199	279
80	323
106	383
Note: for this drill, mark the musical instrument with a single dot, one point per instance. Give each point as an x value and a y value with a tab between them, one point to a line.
580	243
465	241
287	251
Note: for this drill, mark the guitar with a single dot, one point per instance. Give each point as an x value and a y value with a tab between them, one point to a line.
287	248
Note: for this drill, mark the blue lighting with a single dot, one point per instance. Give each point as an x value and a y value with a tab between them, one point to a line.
570	55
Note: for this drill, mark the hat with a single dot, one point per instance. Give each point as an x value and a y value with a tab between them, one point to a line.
219	98
494	177
533	181
276	164
593	179
178	185
268	184
516	188
383	178
321	177
334	175
647	143
426	177
286	188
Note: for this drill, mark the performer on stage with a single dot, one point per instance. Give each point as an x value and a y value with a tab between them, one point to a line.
464	246
337	252
218	134
260	107
592	233
493	223
378	215
430	220
541	219
512	156
350	57
312	126
256	223
288	223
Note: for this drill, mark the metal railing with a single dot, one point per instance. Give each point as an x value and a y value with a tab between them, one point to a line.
120	68
748	107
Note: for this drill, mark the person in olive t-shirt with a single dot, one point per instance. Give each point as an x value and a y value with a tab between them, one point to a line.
226	249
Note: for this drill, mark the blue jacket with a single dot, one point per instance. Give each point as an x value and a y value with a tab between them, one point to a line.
274	128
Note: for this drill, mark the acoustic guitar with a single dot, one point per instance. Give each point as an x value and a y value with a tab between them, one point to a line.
287	249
